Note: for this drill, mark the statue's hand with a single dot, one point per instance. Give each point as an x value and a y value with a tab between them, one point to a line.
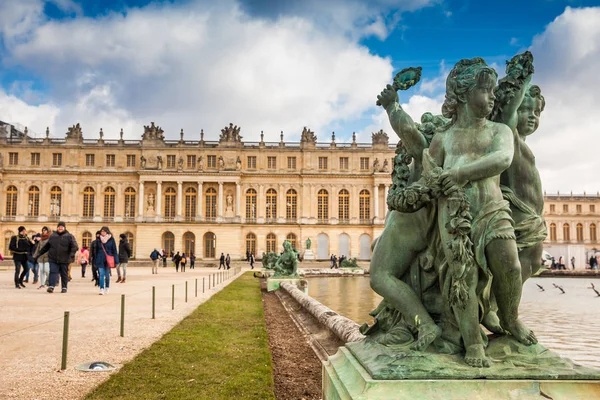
520	66
387	97
450	181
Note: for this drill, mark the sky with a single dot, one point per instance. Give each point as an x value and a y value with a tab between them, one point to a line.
280	65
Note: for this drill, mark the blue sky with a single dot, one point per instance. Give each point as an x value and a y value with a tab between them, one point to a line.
281	65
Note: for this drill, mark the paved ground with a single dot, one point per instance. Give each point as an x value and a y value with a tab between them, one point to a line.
31	324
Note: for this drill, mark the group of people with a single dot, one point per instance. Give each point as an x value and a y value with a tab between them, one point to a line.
50	254
179	260
334	261
225	261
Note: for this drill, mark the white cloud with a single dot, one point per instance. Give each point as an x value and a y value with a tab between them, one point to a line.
35	118
567	55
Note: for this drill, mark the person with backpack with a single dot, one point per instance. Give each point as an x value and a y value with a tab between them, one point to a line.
20	246
177	260
107	257
124	254
154	256
183	262
93	251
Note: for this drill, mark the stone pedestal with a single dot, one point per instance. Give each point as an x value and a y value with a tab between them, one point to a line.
344	378
308	255
274	283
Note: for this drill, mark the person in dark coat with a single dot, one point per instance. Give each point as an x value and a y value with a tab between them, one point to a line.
106	246
222	261
61	248
251	260
124	254
228	261
20	246
192	261
93	250
177	260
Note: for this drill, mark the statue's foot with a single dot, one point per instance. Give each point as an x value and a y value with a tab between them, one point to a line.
522	333
492	323
427	334
475	357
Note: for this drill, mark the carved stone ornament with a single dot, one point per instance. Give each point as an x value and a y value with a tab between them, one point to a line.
380	138
75	132
153	132
308	136
230	134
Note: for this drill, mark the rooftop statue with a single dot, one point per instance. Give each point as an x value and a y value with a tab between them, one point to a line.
308	136
75	132
153	132
230	134
380	138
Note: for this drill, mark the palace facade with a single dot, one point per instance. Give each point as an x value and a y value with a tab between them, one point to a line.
205	197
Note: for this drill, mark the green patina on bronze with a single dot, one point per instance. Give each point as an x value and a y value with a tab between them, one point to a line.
284	265
465	226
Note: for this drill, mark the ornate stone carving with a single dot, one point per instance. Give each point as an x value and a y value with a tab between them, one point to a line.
153	132
75	132
230	134
308	136
380	138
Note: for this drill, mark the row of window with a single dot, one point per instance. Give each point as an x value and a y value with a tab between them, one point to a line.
578	208
190	203
578	230
211	161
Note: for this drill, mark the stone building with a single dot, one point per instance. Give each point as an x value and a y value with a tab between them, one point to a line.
205	197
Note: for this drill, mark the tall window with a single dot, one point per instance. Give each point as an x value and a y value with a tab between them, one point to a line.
364	163
56	159
189	243
250	204
190	203
323	163
251	243
33	203
566	232
553	232
344	205
271	204
565	208
7	236
578	208
129	202
211	161
55	201
291	237
11	201
344	163
89	197
364	205
168	240
109	202
210	244
35	159
170	200
131	241
291	204
579	232
13	158
272	162
90	160
593	233
552	208
271	243
251	162
592	208
291	162
170	160
86	239
323	205
191	161
131	160
211	204
110	160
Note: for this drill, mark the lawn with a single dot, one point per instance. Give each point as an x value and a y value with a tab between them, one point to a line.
220	351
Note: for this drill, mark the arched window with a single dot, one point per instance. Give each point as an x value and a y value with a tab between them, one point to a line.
109	202
271	243
291	237
189	243
566	232
210	245
11	202
130	202
553	231
251	243
86	239
579	231
250	205
364	205
55	201
190	204
33	202
170	200
291	204
271	206
344	205
131	241
7	236
168	241
211	205
593	233
89	197
323	205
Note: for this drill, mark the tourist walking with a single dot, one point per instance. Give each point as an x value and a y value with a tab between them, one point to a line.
83	259
573	262
124	254
177	260
251	260
154	256
593	262
107	257
222	261
247	255
42	261
19	246
164	259
183	262
93	251
228	261
61	248
33	265
192	261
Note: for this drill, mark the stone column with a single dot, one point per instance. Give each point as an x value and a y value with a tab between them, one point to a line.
119	203
179	199
44	200
199	201
238	199
376	201
158	198
260	204
22	200
220	201
75	201
334	205
141	200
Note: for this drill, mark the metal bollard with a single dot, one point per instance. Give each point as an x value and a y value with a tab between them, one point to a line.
122	315
173	297
202	284
65	343
196	287
186	291
153	302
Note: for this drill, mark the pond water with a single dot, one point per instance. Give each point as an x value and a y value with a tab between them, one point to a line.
566	323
